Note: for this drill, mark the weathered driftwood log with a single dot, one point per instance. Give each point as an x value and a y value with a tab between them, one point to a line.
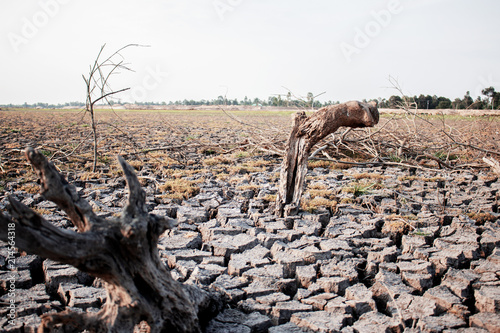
306	132
121	251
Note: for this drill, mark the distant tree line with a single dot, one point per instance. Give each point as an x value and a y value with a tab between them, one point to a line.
274	100
45	105
489	100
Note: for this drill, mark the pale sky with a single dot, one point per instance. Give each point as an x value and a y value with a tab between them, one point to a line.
200	49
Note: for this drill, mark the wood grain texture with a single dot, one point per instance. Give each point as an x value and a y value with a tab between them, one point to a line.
121	251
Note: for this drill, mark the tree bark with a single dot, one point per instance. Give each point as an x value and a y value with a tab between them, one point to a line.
306	132
121	251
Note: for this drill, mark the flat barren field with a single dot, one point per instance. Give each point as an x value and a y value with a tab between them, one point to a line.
398	229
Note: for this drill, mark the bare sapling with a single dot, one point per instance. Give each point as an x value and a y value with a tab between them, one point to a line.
98	87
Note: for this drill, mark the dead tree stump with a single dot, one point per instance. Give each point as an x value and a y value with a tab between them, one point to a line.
306	132
122	251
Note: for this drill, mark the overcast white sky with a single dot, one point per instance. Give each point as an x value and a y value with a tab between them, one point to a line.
200	49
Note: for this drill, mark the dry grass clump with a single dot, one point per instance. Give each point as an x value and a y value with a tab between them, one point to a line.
317	186
269	198
482	218
367	175
328	194
433	179
180	188
30	188
327	165
161	156
424	179
247	187
243	169
176	173
275	176
311	205
223	176
241	154
42	211
217	160
318	195
397	224
318	189
88	175
236	179
395	227
251	165
412	178
361	188
257	163
347	201
136	164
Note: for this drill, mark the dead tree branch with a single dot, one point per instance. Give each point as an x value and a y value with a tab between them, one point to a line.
306	132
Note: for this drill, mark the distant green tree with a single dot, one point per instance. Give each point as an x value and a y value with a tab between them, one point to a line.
382	103
272	101
493	95
426	102
394	102
420	101
434	102
443	103
480	104
457	104
467	101
220	100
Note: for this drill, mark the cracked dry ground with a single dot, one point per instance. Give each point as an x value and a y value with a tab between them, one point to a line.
375	249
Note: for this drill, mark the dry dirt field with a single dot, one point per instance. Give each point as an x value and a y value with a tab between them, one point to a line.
399	228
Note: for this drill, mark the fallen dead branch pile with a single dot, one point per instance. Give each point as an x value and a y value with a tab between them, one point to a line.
416	141
187	138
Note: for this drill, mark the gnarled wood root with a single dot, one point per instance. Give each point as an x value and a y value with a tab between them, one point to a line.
121	251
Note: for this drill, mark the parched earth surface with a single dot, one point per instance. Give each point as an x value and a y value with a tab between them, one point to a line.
381	248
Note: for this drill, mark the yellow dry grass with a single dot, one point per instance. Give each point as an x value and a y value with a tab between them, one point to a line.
180	188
